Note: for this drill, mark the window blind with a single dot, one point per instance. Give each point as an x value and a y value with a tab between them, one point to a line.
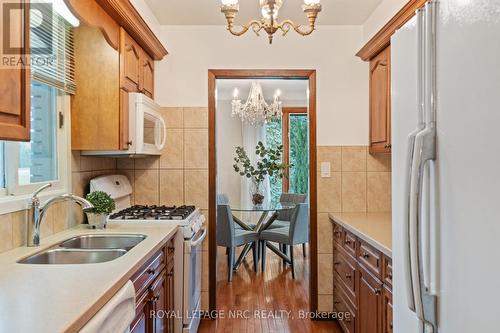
52	49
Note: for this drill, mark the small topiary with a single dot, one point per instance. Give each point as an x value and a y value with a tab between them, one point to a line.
102	201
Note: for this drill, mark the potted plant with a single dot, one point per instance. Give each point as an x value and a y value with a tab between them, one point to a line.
268	164
103	206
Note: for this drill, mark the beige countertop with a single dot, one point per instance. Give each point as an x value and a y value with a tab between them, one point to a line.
62	298
374	228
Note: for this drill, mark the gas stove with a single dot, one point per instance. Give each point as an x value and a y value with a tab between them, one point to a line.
141	212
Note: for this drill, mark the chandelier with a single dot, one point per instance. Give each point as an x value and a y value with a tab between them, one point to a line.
268	22
256	111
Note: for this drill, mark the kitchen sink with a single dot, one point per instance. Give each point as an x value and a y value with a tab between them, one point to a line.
97	241
73	256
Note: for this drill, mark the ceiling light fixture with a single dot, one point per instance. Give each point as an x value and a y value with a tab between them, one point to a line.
268	22
256	111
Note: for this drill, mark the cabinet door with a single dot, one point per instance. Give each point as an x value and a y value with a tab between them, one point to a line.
380	103
159	303
387	311
14	78
140	323
147	75
124	121
130	59
369	302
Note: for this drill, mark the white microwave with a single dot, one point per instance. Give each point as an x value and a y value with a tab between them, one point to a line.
147	130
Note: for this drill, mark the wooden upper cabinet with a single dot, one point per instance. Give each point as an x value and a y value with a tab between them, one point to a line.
380	102
15	80
147	71
130	62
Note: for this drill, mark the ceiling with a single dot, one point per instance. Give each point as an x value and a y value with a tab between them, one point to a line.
291	90
207	12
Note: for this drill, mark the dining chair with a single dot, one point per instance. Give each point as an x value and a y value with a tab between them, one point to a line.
231	237
284	216
296	233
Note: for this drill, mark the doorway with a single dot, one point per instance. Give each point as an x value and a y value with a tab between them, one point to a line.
293	119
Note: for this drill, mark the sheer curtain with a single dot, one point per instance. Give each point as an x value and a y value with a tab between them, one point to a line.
251	135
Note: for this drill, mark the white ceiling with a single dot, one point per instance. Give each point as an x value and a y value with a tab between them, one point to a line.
291	90
207	12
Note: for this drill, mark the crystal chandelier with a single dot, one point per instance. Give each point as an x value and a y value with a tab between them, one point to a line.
256	111
268	22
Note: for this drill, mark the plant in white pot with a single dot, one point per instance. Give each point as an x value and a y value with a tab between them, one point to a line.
103	206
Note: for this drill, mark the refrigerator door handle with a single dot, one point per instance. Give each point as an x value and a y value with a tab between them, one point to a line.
407	239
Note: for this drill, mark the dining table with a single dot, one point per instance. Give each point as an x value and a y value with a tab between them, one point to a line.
269	212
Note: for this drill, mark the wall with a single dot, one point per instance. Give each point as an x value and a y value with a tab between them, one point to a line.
359	182
380	16
342	80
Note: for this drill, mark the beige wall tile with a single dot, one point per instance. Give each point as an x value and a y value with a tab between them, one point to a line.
147	163
195	148
354	158
379	191
61	214
325	234
325	273
172	155
19	228
131	176
330	193
325	303
172	187
173	116
125	163
354	191
196	117
146	186
75	160
5	232
196	188
378	162
332	154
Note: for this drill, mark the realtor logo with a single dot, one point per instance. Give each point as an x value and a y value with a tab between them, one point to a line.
13	27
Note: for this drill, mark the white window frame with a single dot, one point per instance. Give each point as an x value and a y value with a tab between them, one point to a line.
17	197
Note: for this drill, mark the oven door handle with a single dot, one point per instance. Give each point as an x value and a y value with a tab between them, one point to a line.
197	240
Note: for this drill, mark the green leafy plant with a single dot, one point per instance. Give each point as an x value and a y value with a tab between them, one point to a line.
102	201
268	163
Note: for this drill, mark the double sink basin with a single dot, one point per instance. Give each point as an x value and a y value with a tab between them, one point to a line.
86	249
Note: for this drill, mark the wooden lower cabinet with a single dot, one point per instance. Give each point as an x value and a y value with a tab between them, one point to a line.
367	299
155	302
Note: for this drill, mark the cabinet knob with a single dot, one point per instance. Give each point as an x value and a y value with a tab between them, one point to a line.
129	143
348	241
348	276
336	302
336	263
150	271
388	146
377	291
366	255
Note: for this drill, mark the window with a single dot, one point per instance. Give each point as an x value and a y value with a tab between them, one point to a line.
25	166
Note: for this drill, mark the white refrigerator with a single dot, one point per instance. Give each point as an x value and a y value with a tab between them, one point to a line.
445	77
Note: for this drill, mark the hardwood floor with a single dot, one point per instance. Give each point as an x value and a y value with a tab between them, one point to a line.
269	302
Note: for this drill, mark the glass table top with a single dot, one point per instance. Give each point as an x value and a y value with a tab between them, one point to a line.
266	207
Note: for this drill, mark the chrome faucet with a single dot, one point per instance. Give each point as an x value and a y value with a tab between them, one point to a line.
37	213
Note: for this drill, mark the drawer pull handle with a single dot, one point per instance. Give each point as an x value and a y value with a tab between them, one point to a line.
336	302
150	271
377	291
348	242
366	255
336	263
348	276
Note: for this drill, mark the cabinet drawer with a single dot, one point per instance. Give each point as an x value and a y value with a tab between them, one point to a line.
370	258
337	233
350	243
387	272
345	269
342	304
148	272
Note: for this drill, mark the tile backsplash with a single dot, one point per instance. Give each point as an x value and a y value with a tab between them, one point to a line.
358	182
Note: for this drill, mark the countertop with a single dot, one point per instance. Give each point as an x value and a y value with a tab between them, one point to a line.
374	228
62	298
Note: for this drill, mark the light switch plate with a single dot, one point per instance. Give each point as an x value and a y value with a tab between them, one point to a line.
325	169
